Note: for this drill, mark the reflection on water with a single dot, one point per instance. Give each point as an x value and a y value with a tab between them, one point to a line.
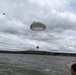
20	64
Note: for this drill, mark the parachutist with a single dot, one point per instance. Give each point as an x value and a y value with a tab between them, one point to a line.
37	47
37	26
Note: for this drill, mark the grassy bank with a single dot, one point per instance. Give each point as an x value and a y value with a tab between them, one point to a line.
39	53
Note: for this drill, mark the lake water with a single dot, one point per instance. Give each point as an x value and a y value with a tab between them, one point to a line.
22	64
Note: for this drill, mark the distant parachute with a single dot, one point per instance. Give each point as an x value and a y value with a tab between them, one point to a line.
37	26
7	16
3	13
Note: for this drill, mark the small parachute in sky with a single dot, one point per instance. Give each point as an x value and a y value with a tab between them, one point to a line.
3	13
7	16
37	26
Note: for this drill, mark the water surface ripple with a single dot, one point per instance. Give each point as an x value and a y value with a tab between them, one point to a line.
22	64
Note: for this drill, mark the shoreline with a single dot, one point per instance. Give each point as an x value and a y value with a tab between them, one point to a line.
39	53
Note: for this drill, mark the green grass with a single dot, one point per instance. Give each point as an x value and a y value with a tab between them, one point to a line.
39	53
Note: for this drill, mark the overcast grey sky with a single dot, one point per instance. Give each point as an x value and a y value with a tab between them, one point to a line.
59	16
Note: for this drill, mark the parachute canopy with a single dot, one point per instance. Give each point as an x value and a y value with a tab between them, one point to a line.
37	26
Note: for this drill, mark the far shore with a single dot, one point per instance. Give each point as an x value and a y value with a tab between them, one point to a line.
34	52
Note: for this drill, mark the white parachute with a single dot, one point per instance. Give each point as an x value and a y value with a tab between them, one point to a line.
37	26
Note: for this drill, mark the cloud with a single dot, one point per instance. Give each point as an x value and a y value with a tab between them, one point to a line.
58	16
62	21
